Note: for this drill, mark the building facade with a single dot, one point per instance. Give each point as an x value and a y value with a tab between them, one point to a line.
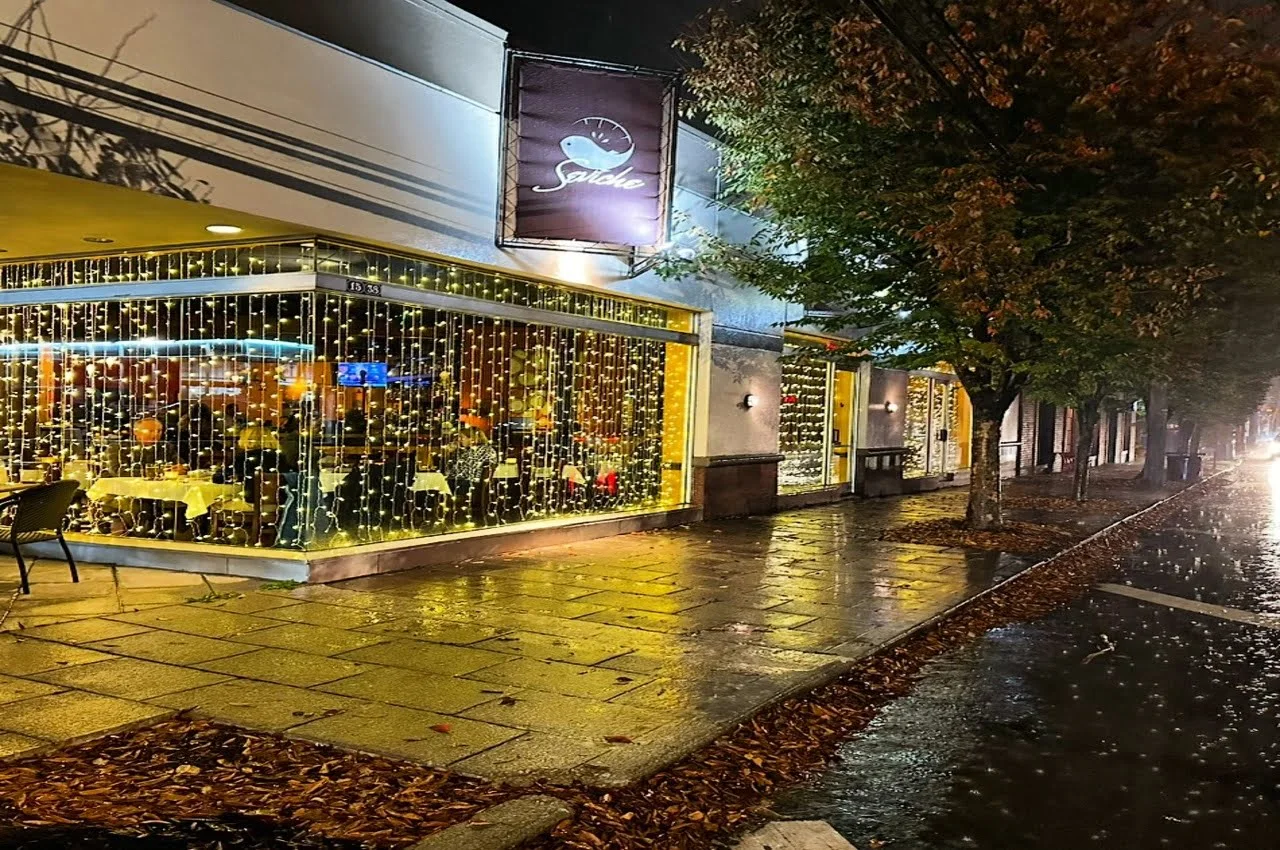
251	297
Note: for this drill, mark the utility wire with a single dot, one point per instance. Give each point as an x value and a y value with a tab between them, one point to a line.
960	100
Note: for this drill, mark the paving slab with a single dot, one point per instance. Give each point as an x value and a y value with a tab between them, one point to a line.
532	756
21	656
304	637
170	647
197	620
256	705
284	667
576	718
408	733
442	659
414	689
85	631
13	745
552	648
74	716
130	678
436	631
13	689
251	603
331	616
557	677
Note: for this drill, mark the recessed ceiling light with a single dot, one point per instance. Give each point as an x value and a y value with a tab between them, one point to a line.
99	240
224	228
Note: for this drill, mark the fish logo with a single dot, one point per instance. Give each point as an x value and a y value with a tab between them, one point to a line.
600	146
603	144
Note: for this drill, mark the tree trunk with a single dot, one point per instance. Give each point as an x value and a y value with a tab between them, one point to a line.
1153	469
984	511
1086	423
1193	444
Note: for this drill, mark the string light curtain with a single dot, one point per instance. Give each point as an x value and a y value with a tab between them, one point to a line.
318	420
937	425
803	421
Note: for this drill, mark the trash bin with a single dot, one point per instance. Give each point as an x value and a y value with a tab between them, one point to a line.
1175	467
1195	464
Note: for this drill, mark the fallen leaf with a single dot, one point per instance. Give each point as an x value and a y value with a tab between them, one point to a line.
186	770
618	739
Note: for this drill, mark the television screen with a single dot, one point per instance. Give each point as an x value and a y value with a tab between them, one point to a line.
362	374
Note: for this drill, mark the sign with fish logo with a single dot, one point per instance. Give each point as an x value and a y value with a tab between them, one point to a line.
589	155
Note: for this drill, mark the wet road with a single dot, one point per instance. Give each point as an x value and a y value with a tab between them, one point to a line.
1116	723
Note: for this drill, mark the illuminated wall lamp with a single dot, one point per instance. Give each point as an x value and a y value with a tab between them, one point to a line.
750	400
890	407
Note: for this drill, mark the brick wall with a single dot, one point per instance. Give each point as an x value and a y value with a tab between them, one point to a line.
1030	410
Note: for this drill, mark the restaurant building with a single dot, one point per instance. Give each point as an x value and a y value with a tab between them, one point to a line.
289	304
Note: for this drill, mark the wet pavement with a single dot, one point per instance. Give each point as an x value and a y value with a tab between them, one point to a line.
601	661
1115	723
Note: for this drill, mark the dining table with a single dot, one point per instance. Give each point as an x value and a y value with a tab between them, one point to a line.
198	494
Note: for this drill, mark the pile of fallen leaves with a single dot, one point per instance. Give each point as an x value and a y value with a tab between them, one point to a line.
700	802
1062	505
175	776
1016	538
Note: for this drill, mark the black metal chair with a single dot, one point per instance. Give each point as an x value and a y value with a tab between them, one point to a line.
38	514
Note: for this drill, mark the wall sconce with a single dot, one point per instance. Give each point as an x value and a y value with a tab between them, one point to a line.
890	407
750	400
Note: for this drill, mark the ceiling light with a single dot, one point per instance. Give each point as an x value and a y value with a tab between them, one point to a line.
227	229
99	240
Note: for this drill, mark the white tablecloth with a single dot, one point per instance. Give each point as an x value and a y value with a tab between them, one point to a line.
426	481
198	495
423	482
330	479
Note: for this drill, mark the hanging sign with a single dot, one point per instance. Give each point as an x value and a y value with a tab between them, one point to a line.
589	155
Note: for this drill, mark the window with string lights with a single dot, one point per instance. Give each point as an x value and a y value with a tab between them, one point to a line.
314	419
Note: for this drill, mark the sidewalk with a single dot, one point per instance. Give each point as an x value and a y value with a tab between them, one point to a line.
601	661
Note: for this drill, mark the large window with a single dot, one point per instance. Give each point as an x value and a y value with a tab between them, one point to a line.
316	419
816	421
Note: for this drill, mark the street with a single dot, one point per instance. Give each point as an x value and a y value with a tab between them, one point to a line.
1116	722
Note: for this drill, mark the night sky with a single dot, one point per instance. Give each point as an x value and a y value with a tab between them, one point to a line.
632	32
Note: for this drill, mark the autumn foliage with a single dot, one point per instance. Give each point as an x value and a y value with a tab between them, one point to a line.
995	183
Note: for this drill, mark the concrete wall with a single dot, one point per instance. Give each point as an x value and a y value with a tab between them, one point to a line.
732	428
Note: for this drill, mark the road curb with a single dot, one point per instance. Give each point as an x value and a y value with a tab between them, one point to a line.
502	827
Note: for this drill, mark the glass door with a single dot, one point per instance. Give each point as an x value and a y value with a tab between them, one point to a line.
936	428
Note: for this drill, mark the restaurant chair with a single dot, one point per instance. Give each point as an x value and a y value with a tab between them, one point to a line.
37	516
252	516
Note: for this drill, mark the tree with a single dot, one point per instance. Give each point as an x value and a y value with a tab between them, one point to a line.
963	185
1086	381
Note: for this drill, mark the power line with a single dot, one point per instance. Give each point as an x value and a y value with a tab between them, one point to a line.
959	99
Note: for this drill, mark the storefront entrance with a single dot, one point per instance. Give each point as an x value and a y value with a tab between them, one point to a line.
938	425
817	421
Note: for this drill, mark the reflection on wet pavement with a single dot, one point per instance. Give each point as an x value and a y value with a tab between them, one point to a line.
531	661
1165	737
